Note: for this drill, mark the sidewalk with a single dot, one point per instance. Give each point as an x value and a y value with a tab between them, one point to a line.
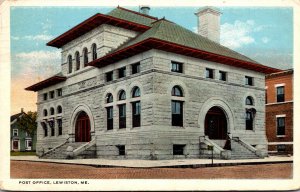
182	163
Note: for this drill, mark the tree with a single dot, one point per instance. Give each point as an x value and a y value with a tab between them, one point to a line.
27	122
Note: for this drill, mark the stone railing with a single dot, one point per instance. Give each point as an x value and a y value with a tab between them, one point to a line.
56	147
257	152
205	142
84	147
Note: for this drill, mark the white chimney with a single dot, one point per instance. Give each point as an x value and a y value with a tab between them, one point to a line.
145	9
209	23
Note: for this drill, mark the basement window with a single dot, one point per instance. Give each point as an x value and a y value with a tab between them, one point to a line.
121	149
281	148
178	149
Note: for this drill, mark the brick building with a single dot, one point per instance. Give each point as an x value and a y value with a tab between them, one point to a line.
279	112
135	86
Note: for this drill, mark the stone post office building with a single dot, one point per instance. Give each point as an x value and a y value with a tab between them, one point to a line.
135	86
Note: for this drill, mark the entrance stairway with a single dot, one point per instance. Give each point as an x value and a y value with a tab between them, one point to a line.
81	150
239	149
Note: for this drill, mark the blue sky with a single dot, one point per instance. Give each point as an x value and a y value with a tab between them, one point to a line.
263	34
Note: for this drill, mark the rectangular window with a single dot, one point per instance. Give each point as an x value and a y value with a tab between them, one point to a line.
51	94
136	114
59	124
51	124
209	73
177	113
176	67
122	72
248	80
16	145
222	76
110	118
44	125
15	132
59	92
280	126
122	116
281	148
121	149
109	76
280	94
135	68
249	120
28	143
45	96
178	149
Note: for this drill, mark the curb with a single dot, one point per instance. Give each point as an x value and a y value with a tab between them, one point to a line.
167	166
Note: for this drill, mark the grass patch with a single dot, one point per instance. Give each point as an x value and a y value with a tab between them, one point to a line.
19	153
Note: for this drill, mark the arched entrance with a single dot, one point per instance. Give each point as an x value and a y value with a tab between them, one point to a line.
82	128
216	124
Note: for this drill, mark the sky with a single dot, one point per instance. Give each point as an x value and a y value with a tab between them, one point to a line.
263	34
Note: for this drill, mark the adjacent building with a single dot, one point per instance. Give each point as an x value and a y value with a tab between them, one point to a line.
279	112
135	86
20	140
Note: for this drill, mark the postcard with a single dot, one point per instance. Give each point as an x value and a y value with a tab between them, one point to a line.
170	95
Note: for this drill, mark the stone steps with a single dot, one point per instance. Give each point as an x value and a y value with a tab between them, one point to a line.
238	151
61	152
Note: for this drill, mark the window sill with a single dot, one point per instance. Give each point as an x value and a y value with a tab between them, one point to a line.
178	127
280	136
135	128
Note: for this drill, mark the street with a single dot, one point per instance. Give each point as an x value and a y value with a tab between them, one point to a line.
30	170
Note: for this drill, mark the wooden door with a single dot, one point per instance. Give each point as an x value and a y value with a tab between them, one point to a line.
215	124
83	129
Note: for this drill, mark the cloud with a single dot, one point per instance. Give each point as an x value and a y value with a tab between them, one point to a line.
239	33
41	37
272	58
15	38
265	39
195	29
38	64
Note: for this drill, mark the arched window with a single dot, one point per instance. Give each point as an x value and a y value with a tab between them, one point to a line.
45	112
136	92
122	95
70	63
94	50
85	56
109	98
59	109
176	91
177	107
136	108
249	100
77	57
51	111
